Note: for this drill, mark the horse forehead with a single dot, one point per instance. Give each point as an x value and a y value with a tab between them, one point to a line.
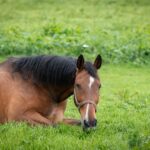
91	81
83	76
86	79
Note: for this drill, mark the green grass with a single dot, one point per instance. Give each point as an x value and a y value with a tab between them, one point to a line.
123	118
117	29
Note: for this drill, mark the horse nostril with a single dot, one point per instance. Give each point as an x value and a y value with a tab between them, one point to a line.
86	124
94	123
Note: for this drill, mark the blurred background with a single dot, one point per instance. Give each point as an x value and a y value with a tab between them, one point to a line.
117	29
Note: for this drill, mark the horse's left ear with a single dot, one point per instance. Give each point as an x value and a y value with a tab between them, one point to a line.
80	62
98	62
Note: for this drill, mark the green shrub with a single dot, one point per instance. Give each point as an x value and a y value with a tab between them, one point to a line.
118	30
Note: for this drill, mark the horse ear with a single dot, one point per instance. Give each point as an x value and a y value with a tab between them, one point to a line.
98	62
80	62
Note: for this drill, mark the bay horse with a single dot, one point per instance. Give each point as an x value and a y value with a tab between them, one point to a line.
35	89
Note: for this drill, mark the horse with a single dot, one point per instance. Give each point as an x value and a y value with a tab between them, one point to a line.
35	89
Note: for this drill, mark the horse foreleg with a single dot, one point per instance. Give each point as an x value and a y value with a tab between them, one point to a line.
57	115
35	118
71	121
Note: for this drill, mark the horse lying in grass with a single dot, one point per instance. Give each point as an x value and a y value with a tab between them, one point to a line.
35	89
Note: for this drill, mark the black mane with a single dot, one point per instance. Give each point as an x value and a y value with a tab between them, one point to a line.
48	70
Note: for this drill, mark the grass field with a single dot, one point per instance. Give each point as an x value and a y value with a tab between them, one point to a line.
117	29
123	118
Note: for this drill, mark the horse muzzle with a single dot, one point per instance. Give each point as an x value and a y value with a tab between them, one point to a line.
89	124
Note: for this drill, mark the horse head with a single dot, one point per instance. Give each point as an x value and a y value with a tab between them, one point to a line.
86	90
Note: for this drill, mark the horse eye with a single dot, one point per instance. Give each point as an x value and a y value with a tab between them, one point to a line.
78	86
99	86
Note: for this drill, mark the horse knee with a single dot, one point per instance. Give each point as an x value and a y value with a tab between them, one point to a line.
59	118
56	117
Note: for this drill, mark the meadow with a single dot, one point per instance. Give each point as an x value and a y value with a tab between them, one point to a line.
117	29
123	118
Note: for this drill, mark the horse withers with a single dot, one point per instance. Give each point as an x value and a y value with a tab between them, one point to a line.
35	89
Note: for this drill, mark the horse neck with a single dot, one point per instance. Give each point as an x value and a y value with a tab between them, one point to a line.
59	94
